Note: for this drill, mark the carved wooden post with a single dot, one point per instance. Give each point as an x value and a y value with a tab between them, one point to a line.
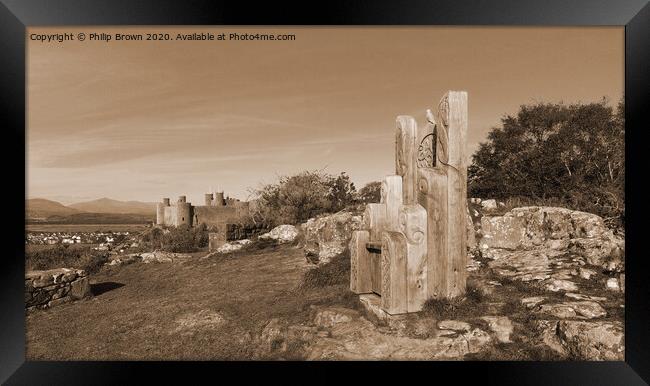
393	273
374	220
420	221
443	192
406	154
391	195
360	270
453	113
433	197
413	225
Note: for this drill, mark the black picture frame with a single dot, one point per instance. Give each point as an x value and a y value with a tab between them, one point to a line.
17	15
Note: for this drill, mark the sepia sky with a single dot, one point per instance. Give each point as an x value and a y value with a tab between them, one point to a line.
146	120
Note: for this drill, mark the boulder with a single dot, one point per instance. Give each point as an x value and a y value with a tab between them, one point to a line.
281	234
454	325
581	310
80	288
553	229
612	284
501	326
593	340
328	236
489	204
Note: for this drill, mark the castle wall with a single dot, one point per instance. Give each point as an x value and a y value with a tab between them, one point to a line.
213	215
170	215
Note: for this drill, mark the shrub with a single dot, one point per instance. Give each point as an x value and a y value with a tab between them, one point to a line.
550	151
294	199
370	193
180	239
66	256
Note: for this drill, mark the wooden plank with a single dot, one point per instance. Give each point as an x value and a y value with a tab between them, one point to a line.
413	224
391	195
406	154
374	220
393	273
360	272
432	195
457	192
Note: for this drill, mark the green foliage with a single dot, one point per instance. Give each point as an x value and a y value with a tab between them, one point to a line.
294	199
574	154
66	256
370	193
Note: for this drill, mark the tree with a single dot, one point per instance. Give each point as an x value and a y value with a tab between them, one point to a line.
342	191
572	153
370	193
294	199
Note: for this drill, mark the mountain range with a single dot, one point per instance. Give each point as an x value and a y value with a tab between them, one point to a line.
40	208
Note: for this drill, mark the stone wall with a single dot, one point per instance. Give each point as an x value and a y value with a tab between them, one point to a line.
45	289
230	232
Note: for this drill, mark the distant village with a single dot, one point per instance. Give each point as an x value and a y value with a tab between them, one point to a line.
103	240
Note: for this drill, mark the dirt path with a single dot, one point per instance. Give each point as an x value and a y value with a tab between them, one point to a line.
195	309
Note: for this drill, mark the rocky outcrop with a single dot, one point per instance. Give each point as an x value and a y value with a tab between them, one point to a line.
281	234
555	229
233	246
162	257
585	340
328	236
352	337
45	289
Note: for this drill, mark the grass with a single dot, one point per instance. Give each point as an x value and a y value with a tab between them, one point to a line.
68	256
146	311
470	305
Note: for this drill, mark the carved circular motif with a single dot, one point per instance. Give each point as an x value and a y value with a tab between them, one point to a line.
425	152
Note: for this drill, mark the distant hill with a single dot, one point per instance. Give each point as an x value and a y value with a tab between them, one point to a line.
107	205
40	208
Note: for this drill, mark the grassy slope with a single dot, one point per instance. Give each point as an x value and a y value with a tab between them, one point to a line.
141	320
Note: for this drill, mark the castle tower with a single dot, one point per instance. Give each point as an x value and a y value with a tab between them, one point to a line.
160	211
218	199
182	199
208	199
183	212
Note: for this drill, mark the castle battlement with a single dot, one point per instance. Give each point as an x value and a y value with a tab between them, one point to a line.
217	209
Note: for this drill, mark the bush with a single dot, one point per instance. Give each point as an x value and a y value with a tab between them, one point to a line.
550	151
295	199
66	256
370	193
176	239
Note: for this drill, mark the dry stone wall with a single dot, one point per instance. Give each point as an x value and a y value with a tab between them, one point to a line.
45	289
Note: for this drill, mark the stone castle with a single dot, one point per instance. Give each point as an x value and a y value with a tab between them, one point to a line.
216	210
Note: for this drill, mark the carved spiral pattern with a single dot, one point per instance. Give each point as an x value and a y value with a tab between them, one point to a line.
414	232
426	152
